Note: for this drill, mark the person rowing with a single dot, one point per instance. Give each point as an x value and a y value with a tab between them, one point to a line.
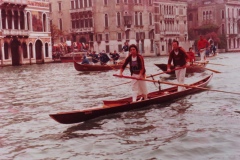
180	61
115	56
137	69
202	45
103	57
95	58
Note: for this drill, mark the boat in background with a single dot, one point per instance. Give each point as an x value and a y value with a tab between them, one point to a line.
96	67
73	56
126	104
196	67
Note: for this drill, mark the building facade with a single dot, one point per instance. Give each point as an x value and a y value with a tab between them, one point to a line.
170	23
24	32
108	24
224	14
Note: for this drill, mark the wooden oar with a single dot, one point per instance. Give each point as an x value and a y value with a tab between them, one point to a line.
165	72
210	69
210	63
148	76
169	83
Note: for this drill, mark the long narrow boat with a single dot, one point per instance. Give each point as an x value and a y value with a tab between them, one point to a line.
90	67
126	104
196	67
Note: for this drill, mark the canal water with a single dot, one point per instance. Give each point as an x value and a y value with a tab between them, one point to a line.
200	126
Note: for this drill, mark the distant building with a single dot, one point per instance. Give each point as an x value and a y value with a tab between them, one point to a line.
107	24
24	32
170	23
223	15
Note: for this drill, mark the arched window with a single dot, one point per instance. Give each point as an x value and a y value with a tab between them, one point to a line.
118	19
28	21
44	23
210	14
136	18
141	19
24	50
150	19
190	17
31	50
106	20
15	19
204	16
46	50
223	14
9	19
22	20
6	54
3	19
228	13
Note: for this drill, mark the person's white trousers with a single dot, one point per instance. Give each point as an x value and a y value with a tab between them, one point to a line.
138	88
180	75
202	55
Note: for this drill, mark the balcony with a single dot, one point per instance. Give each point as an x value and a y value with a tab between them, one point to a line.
23	2
85	9
169	16
169	33
13	32
82	30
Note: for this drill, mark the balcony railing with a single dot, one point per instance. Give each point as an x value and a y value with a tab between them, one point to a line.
169	32
12	32
82	30
24	2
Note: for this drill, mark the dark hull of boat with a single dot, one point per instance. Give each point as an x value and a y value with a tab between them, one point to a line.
190	69
89	67
123	105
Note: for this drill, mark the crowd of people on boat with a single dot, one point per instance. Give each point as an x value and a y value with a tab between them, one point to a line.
103	58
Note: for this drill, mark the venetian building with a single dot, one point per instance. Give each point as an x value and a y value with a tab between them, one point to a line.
225	14
107	24
60	17
170	23
24	32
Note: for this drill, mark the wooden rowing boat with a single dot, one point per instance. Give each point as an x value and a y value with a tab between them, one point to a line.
96	67
196	67
126	104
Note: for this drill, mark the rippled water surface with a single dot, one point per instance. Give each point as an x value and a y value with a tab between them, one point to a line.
199	126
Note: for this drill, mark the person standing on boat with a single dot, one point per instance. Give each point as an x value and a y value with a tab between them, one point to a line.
137	70
180	61
202	45
125	49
